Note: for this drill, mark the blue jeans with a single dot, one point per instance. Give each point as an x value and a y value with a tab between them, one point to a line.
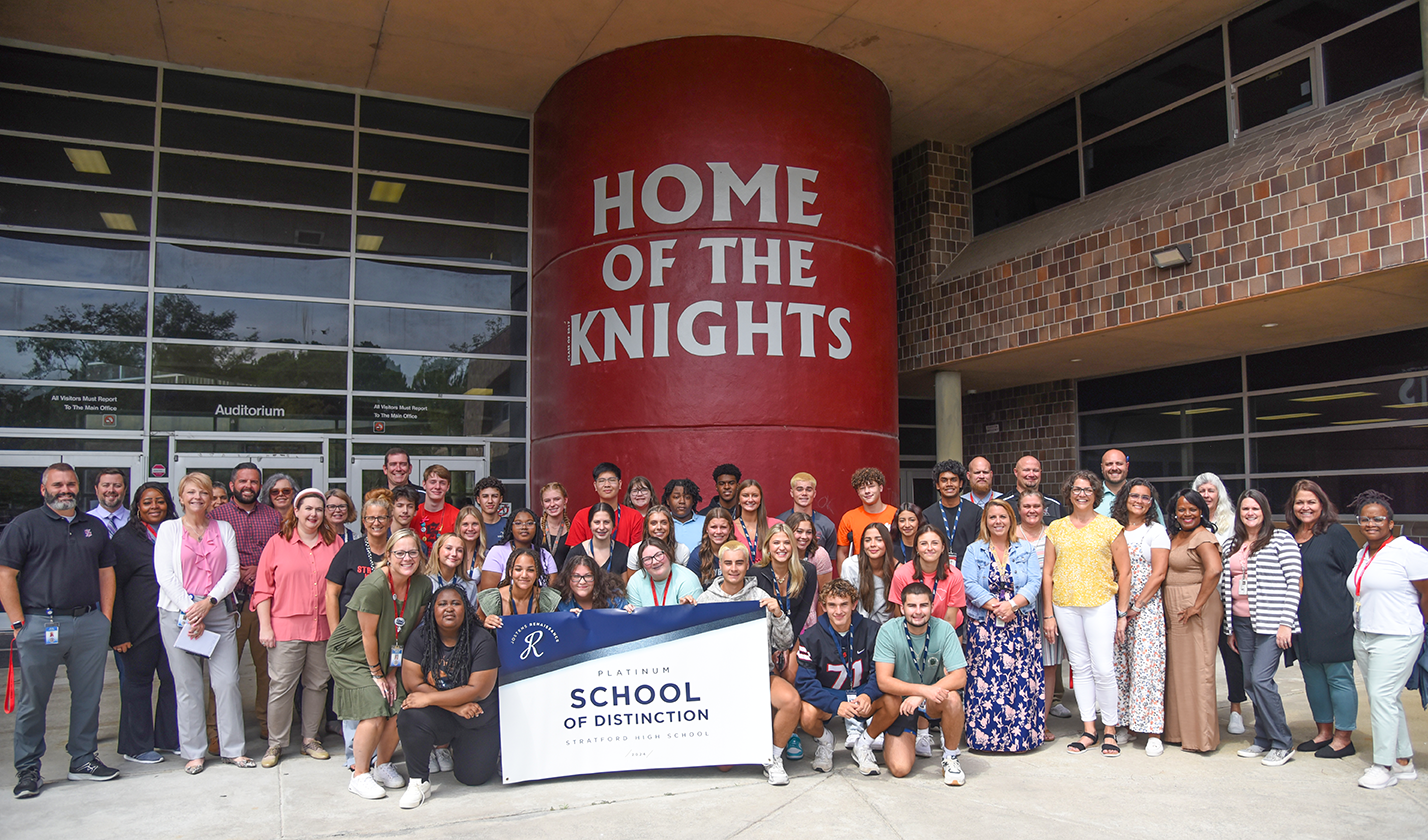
1333	697
1261	657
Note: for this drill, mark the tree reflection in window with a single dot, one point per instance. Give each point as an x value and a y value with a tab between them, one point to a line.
84	359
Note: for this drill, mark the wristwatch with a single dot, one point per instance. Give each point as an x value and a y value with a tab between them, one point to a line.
212	601
16	626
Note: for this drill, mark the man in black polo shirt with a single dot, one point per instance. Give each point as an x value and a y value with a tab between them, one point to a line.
57	587
1028	477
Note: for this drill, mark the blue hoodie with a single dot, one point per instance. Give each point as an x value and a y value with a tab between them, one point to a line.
822	672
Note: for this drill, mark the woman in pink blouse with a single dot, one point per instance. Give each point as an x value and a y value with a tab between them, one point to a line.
290	597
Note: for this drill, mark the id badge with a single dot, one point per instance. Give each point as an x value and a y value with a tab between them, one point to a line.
852	697
1356	615
395	659
51	634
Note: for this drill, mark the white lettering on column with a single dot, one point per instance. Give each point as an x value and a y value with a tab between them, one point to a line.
761	184
661	330
748	328
845	344
637	267
658	261
579	341
624	201
693	194
717	245
798	197
685	329
806	312
769	260
797	263
632	337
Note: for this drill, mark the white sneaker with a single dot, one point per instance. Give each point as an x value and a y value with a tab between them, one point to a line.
1377	778
773	769
1154	747
441	760
855	731
1404	772
1277	758
366	787
1252	751
823	753
878	743
387	776
417	792
863	755
1060	711
1123	735
923	746
952	771
1237	724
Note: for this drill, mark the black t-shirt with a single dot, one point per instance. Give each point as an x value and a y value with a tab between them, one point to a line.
349	566
58	560
483	658
619	556
965	520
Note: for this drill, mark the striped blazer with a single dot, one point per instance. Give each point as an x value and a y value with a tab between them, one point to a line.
1271	584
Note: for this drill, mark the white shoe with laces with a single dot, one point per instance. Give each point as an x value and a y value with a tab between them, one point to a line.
1377	778
1252	751
823	753
863	755
442	760
387	776
952	771
878	743
417	792
1154	747
923	747
1123	735
366	787
773	769
1237	724
1404	772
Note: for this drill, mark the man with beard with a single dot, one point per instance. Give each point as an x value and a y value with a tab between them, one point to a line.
57	587
254	523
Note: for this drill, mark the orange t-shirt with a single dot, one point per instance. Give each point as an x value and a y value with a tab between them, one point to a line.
850	527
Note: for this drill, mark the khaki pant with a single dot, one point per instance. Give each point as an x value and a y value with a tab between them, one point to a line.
287	662
248	634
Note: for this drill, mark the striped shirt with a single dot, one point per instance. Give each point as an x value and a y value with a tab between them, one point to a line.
1271	584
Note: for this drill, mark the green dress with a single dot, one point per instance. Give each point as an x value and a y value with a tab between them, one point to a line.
355	696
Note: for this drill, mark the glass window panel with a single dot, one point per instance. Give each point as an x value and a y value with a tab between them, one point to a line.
256	138
74	209
71	72
444	160
1274	95
72	444
51	407
1409	491
473	126
254	225
1019	147
441	201
438	375
1372	55
259	272
229	94
508	460
221	367
59	160
1274	29
1186	382
1197	419
70	116
1359	449
55	309
427	329
41	257
255	181
1189	129
444	418
1167	78
246	413
74	360
1050	185
447	242
441	285
916	441
1163	460
249	319
1356	358
1342	405
917	412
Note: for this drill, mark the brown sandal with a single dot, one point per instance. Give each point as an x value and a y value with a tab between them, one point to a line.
1048	736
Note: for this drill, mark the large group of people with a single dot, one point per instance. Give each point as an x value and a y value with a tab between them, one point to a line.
375	617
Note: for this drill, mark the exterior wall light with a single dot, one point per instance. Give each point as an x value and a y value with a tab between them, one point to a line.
1171	256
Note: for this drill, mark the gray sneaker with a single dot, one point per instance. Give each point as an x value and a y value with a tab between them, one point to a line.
1252	751
1277	758
863	755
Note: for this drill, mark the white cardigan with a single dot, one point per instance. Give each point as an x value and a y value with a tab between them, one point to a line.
169	569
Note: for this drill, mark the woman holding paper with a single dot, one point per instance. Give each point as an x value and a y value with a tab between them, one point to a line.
196	563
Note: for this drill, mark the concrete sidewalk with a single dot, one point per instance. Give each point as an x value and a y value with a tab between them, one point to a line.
1047	793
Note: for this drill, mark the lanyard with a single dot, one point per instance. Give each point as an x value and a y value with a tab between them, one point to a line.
750	541
659	601
919	664
935	582
1361	568
398	621
530	603
782	597
952	528
845	655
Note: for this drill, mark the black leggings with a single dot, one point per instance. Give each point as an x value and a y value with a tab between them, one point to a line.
1234	668
475	743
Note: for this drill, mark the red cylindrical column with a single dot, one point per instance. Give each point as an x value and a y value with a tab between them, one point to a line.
713	268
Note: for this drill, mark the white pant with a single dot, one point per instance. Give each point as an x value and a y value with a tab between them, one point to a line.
1090	637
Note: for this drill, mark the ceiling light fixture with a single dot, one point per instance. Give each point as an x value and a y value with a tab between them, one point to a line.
1347	395
389	192
1189	412
1172	256
118	221
88	160
368	242
1295	416
1270	324
1359	422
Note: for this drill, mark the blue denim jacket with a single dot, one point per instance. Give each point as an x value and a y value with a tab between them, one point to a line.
977	573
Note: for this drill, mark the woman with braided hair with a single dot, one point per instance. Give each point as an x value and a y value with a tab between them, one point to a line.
450	675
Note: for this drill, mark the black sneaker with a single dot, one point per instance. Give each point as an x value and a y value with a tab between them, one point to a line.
92	770
29	783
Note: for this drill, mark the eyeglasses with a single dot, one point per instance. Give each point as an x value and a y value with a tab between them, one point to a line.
281	491
406	555
657	557
1082	491
582	578
375	520
337	508
1372	520
607	481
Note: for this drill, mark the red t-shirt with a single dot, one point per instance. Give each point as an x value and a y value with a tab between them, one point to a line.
949	594
432	525
629	526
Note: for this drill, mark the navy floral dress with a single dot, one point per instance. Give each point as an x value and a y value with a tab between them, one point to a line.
1006	701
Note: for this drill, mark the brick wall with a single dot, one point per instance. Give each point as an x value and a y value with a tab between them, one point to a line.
932	214
1035	420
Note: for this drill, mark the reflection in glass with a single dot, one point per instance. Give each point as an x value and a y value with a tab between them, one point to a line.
444	160
256	138
1274	29
1020	146
51	407
441	285
1372	55
247	319
74	162
1183	382
255	181
447	242
1167	460
436	330
73	209
1274	95
72	72
34	256
445	418
1049	185
1168	422
508	460
1409	490
455	123
53	309
1359	449
411	197
71	359
1342	405
1185	130
229	94
438	375
254	225
256	272
67	116
247	413
224	366
1384	354
1167	78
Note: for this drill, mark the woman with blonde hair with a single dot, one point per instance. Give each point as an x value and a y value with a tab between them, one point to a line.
554	521
792	581
472	531
446	565
341	513
1221	523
